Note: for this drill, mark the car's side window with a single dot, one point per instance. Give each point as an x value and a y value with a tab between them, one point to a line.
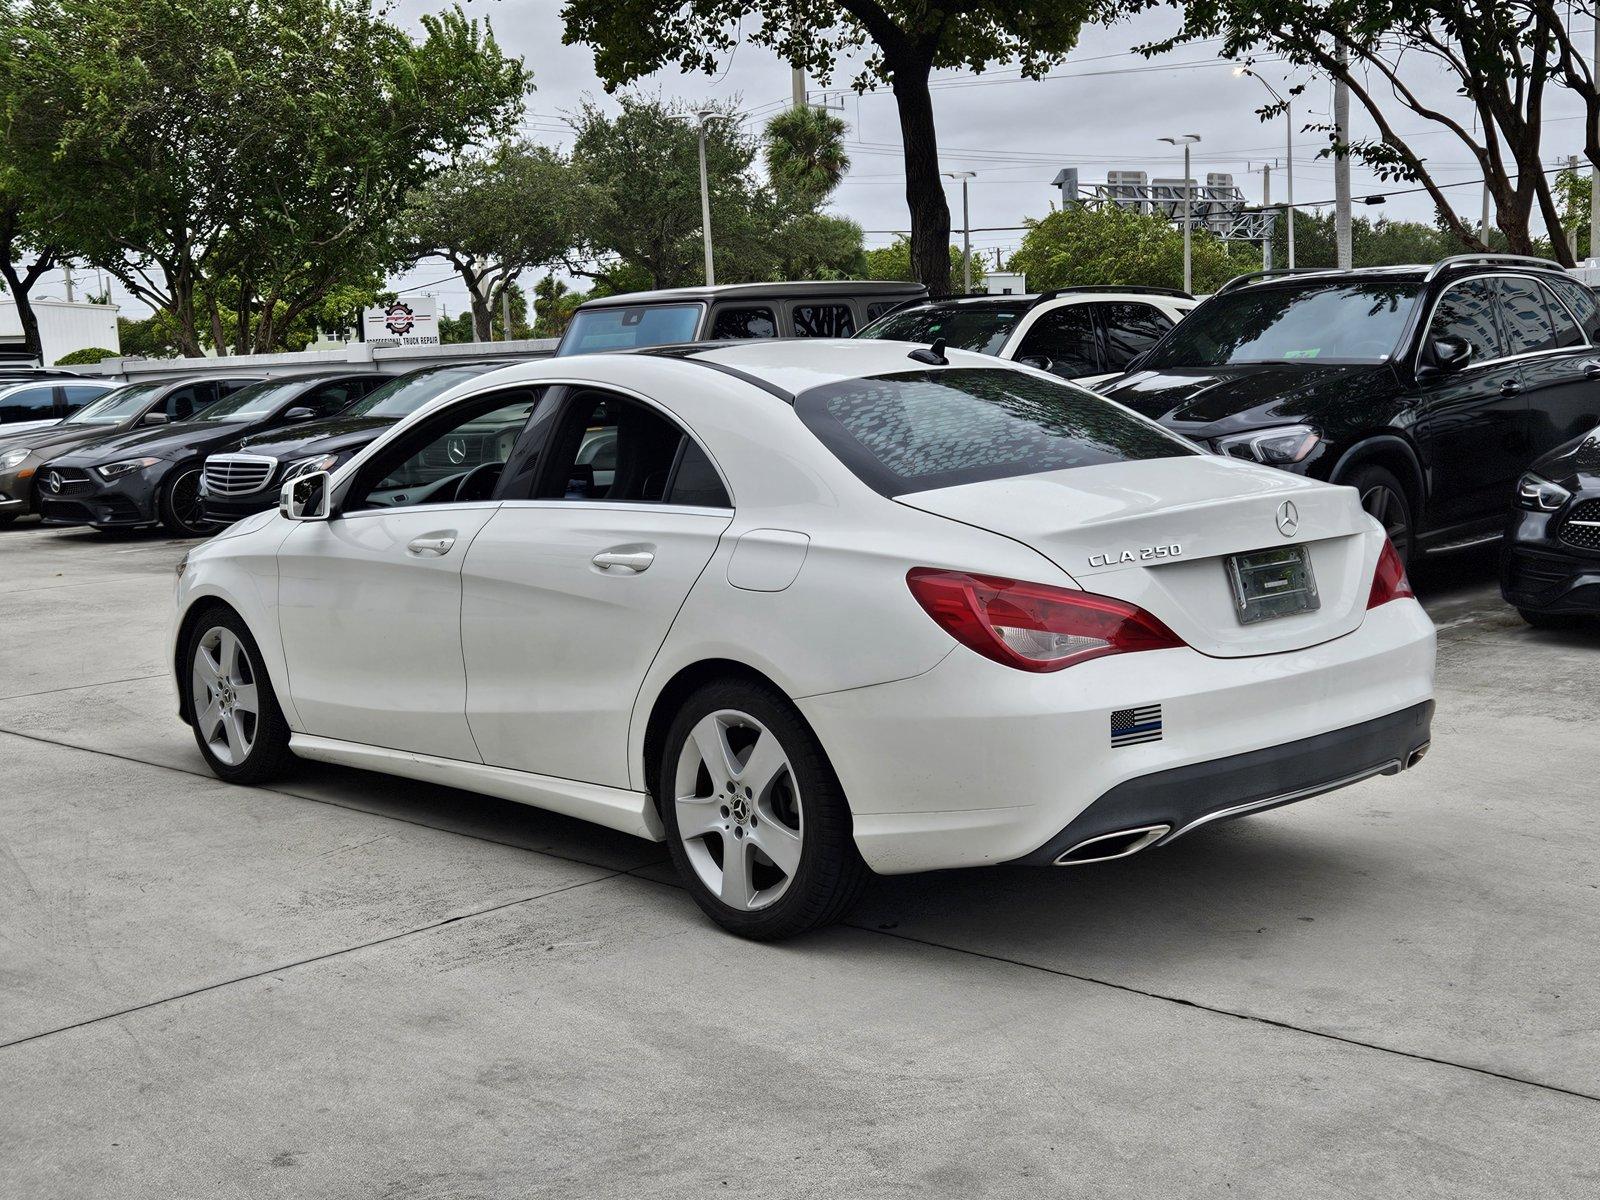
80	394
1572	309
28	404
1528	326
878	307
1064	339
183	402
454	458
732	324
611	448
1467	311
823	320
332	397
1131	328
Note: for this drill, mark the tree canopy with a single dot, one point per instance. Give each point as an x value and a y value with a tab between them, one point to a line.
1112	245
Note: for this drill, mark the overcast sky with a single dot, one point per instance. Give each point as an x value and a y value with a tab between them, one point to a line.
1103	109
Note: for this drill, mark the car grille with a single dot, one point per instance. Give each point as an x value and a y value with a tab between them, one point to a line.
237	474
65	481
1582	526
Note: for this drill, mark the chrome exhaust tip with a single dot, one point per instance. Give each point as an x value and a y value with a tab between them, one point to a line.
1108	846
1417	755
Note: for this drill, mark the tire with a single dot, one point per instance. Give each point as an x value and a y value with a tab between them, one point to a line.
7	518
179	505
237	722
1384	497
792	810
1542	620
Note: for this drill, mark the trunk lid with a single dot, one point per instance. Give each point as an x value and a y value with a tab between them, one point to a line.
1158	533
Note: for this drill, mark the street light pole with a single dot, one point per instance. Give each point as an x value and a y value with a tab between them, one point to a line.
705	207
1186	140
966	228
1288	151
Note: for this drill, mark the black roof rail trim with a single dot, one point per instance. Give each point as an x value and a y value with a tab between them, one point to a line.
1132	289
1275	272
1492	260
688	352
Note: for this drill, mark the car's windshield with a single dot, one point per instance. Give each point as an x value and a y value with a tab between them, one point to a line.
256	400
982	327
919	430
630	328
1310	322
402	396
116	405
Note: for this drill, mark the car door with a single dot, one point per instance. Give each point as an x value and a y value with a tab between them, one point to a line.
1561	376
1063	341
570	589
369	602
1472	423
1128	328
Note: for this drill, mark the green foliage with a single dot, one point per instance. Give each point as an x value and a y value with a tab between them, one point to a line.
803	149
1112	245
893	262
554	305
155	336
1575	193
87	357
1379	243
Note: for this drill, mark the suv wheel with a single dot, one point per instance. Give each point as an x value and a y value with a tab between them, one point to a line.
181	510
238	725
756	822
1384	498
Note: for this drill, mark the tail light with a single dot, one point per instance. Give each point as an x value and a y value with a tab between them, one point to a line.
1389	581
1031	626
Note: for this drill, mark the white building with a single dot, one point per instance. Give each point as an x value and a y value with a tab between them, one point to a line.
63	327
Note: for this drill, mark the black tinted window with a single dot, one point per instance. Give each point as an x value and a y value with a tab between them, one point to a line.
824	320
695	481
920	430
1064	339
79	394
1131	329
1571	297
1467	311
737	324
1351	322
1526	319
183	401
611	448
982	328
878	307
36	403
332	397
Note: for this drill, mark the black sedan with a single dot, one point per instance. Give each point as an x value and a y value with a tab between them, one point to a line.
1550	567
147	475
247	476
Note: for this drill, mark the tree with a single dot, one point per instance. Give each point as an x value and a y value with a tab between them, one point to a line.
1500	55
893	262
907	39
27	250
155	336
1114	245
1379	243
494	216
803	149
87	357
267	145
553	306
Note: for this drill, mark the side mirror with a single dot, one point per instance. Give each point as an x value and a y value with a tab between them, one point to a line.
305	497
1037	361
300	414
1449	354
154	418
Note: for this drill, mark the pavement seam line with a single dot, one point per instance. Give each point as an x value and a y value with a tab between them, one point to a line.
78	687
302	962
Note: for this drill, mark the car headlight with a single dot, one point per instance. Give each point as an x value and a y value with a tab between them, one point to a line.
1275	447
127	466
13	458
1539	494
305	466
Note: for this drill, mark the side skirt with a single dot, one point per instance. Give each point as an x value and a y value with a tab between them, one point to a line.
614	808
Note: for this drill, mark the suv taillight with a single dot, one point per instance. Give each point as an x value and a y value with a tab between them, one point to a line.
1031	626
1389	581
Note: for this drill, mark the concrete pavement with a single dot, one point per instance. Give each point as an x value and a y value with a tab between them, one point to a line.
354	986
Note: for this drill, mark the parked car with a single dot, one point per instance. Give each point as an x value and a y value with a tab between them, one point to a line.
1550	564
1080	333
37	403
246	476
821	608
129	407
1429	389
731	312
151	476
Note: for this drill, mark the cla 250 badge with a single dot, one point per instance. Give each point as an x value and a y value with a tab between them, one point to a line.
1143	554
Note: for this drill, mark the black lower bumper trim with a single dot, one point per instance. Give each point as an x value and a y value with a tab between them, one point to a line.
1184	797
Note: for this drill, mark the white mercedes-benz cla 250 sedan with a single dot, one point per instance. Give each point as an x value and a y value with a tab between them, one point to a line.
810	609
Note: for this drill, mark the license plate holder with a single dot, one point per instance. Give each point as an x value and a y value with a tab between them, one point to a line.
1268	584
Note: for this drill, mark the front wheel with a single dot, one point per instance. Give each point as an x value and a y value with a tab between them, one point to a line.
238	725
182	512
756	822
1384	498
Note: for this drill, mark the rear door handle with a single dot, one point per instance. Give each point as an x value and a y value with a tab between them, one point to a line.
1511	388
431	545
624	560
1591	370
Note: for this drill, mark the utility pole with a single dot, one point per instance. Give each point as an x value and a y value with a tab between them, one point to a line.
1266	208
1341	164
1186	140
966	229
1483	225
505	314
705	206
66	271
1288	150
1572	165
1594	172
797	84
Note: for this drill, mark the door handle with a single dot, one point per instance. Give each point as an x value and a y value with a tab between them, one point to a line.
431	545
624	560
1591	370
1511	388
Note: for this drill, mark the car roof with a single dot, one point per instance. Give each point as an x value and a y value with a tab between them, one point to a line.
789	366
801	289
1454	266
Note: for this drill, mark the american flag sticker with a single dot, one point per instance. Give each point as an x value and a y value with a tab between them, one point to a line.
1130	726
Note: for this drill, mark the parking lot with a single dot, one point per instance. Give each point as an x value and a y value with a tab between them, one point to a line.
352	985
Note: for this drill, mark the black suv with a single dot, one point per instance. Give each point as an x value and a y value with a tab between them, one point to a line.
1428	388
1550	566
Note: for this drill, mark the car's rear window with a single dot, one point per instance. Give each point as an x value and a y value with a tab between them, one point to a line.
981	327
610	328
920	430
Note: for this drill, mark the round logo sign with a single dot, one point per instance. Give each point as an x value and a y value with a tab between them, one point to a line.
398	318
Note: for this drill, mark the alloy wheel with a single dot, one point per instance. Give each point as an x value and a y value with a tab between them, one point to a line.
187	507
738	809
1388	509
227	705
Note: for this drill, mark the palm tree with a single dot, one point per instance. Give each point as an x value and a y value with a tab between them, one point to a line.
805	156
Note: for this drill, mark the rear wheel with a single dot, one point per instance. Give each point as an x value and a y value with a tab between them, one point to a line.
238	725
1541	620
756	822
1384	498
181	510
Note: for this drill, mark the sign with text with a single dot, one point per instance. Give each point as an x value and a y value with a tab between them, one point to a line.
407	322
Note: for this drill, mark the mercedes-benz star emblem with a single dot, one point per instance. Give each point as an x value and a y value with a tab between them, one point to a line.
52	482
1288	518
456	449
